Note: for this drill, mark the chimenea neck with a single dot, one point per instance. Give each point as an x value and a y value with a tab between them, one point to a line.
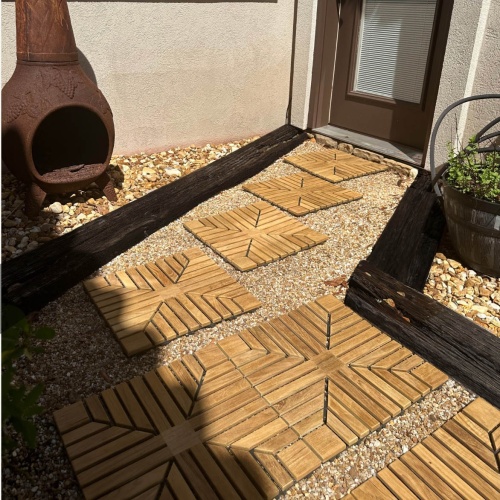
44	32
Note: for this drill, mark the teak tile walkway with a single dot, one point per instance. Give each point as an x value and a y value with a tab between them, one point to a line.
334	165
254	235
248	416
459	460
301	194
149	305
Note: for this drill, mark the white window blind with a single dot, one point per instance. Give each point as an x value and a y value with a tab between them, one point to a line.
393	47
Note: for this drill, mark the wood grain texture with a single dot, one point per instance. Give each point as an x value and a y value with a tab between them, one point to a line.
334	165
453	343
153	304
301	194
34	279
254	235
407	245
256	411
442	466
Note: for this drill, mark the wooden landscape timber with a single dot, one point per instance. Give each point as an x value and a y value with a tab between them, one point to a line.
454	344
34	279
407	245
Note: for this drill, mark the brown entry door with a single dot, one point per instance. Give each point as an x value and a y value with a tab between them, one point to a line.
387	69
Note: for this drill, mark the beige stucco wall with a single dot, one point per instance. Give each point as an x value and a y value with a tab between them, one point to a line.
471	66
487	74
303	61
182	73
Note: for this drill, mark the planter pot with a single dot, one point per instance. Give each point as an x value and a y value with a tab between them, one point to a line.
474	227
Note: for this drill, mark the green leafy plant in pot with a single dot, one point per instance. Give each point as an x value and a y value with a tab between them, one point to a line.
469	184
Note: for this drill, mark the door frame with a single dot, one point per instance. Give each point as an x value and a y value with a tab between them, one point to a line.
327	21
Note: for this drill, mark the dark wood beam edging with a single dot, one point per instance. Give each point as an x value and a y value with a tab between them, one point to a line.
407	245
453	343
34	279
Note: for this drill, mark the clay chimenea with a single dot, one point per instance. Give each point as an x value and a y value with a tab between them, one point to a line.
57	127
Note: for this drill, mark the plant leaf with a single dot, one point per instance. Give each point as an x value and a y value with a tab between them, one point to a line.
44	332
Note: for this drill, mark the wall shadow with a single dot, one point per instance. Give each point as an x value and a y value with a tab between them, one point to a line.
86	66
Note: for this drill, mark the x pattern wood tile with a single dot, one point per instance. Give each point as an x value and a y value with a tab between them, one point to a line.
301	194
254	235
334	165
248	416
459	460
150	305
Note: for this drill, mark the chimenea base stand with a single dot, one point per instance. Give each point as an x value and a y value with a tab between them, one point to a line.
35	195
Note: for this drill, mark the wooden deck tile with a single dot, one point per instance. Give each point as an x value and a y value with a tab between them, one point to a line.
254	235
456	461
301	194
372	489
333	165
257	411
299	459
154	304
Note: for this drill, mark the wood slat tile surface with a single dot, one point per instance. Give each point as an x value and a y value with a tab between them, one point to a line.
334	165
153	304
456	461
256	412
254	235
301	194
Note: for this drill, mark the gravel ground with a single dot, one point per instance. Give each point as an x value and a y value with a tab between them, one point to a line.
84	358
133	176
471	294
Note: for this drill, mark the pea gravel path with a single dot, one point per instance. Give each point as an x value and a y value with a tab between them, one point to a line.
84	357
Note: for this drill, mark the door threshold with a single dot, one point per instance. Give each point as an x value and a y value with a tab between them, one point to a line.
394	150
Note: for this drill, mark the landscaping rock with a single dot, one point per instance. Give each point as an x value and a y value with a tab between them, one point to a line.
323	140
56	208
347	148
466	292
367	155
133	177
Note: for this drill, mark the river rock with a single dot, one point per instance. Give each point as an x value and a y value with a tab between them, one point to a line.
56	208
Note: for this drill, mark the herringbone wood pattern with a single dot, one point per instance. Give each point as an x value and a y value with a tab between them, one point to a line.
153	304
459	460
334	166
254	235
301	194
248	416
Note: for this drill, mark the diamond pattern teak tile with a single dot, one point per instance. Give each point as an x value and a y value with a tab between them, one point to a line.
149	305
459	460
301	194
248	416
334	165
254	235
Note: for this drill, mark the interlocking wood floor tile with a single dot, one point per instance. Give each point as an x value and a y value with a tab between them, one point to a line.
254	413
301	194
334	166
150	305
459	460
254	235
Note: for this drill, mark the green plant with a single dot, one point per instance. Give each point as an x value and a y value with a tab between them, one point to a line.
474	172
19	403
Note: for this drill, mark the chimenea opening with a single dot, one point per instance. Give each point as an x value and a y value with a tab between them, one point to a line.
70	138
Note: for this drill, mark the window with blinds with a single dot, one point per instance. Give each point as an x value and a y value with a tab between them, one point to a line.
393	46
